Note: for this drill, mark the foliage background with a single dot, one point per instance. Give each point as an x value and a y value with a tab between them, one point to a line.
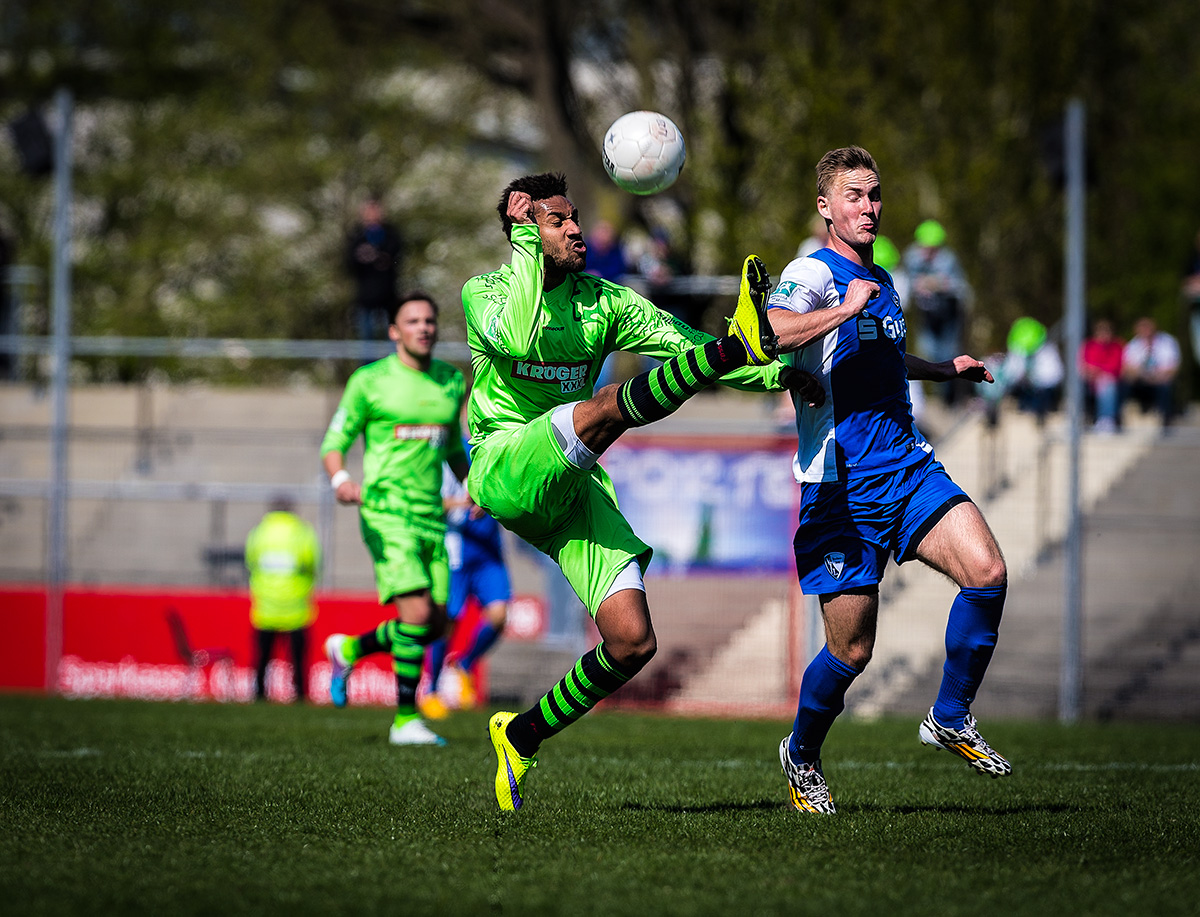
223	147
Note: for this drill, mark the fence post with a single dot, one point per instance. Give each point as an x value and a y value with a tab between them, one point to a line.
60	381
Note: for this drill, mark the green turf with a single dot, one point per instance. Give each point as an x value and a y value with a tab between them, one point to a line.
114	807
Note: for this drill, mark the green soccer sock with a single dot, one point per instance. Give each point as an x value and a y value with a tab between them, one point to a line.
378	640
407	643
594	677
660	392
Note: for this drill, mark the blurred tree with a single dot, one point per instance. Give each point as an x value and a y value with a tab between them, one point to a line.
223	146
222	150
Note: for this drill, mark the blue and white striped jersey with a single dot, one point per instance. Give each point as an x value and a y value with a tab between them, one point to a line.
866	424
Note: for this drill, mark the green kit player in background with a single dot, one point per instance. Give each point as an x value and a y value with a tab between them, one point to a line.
406	407
539	330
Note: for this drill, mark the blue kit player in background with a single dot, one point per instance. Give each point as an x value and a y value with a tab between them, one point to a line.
870	485
477	570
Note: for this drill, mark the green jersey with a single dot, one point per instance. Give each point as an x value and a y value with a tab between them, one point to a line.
409	421
532	350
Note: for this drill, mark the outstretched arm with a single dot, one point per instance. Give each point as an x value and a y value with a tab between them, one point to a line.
961	367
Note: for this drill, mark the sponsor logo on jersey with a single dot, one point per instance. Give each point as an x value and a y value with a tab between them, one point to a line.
570	376
835	563
868	329
435	434
895	327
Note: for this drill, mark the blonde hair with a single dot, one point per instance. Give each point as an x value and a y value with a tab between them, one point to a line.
846	159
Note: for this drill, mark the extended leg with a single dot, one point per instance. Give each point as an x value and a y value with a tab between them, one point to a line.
663	390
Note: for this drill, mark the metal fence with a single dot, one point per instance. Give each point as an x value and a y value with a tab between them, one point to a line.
161	483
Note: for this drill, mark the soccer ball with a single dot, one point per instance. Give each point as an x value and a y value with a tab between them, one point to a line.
643	152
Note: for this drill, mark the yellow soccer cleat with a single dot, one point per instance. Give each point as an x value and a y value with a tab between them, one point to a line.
511	770
433	707
468	694
749	323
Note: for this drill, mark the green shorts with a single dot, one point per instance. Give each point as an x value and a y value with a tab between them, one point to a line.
407	557
521	477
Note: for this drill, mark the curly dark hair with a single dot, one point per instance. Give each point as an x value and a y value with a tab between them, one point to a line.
538	187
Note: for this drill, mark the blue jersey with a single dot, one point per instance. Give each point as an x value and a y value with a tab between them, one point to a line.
866	424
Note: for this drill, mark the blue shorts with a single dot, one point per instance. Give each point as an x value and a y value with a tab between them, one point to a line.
485	578
848	529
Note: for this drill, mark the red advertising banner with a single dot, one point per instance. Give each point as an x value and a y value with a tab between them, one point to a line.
177	644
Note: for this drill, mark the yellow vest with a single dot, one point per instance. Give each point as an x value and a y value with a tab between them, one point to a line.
283	556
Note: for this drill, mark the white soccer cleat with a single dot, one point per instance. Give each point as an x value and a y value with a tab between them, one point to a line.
806	784
414	732
967	743
339	669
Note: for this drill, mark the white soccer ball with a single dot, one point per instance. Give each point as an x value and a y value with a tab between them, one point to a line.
643	152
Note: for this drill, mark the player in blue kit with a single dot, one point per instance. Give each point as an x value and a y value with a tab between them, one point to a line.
870	485
477	570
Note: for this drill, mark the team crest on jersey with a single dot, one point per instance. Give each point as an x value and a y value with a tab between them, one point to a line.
434	433
571	377
835	563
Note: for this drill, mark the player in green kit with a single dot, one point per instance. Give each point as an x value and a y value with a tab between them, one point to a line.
406	407
539	329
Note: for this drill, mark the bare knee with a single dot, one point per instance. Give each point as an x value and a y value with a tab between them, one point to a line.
623	620
988	572
855	655
632	655
996	573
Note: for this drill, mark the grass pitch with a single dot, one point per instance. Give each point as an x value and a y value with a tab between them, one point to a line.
118	807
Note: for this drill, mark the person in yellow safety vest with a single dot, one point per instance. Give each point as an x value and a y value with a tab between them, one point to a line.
283	557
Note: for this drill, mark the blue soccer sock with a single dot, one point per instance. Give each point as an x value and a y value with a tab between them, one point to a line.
435	658
970	640
485	637
822	698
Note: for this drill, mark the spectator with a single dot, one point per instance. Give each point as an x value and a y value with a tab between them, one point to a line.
374	252
818	237
1100	366
1148	368
1191	294
283	557
660	264
941	294
887	256
608	260
606	252
8	323
1033	369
